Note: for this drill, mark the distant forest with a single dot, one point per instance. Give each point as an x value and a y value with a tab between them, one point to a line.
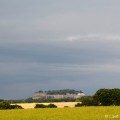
60	92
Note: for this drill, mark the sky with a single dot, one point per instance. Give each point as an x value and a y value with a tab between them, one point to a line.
58	44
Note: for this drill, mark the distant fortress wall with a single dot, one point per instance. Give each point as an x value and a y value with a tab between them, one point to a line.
39	95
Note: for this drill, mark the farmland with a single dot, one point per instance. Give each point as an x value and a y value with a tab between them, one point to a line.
81	113
58	104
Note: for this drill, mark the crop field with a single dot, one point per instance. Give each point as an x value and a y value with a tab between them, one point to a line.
81	113
58	104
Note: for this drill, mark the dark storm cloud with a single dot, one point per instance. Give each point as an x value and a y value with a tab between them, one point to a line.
55	66
65	52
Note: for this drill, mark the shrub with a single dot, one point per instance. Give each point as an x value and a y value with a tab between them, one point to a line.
51	106
78	105
45	106
66	106
1	100
5	105
40	106
87	101
16	107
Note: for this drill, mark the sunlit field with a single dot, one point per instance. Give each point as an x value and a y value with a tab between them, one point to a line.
58	104
81	113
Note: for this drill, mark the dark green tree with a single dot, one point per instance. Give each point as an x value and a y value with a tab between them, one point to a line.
88	101
5	105
107	97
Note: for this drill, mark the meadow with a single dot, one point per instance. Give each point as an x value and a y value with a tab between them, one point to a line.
80	113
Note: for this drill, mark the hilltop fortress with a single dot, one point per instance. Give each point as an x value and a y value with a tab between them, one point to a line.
58	94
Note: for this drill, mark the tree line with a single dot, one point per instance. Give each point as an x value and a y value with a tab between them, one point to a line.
63	92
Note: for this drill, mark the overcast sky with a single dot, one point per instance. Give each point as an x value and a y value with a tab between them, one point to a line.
58	44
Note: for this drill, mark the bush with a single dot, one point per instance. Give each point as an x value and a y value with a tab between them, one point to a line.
51	106
40	106
1	100
16	107
78	105
45	106
66	106
5	105
87	101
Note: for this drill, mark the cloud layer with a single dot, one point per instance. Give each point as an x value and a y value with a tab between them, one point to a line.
96	37
58	44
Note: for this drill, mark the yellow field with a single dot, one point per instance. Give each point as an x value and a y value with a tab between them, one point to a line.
81	113
58	104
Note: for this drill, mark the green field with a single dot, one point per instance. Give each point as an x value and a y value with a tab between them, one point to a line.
81	113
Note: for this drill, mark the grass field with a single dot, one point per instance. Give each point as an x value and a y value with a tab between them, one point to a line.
81	113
